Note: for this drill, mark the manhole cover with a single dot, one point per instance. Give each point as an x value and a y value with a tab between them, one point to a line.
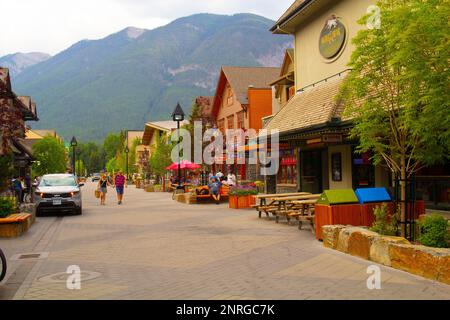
62	277
30	256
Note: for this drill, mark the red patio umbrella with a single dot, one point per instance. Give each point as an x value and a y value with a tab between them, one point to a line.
185	164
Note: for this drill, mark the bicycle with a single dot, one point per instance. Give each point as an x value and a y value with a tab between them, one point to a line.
3	266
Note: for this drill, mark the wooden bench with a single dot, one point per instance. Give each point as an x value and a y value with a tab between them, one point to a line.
15	225
224	193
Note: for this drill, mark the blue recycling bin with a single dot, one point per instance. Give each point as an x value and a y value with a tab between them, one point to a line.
372	195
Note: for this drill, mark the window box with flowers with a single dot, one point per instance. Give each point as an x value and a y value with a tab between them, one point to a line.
242	197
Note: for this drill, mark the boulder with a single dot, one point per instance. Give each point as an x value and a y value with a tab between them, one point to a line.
360	241
331	235
431	263
379	251
343	239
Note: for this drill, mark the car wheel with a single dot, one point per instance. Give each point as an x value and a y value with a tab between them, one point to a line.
79	211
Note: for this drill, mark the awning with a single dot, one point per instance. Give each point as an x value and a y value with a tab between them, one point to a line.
284	80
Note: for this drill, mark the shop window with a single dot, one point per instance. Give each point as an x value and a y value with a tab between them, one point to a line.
230	122
221	125
229	96
336	167
240	120
363	170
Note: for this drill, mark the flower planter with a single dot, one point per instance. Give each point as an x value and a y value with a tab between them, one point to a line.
241	202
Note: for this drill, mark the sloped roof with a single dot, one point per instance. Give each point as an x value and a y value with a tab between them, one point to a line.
289	12
43	133
240	78
314	106
166	126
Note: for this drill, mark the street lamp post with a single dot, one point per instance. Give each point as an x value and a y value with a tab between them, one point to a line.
178	116
73	144
127	151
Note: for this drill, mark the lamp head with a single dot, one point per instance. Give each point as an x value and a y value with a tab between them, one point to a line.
178	114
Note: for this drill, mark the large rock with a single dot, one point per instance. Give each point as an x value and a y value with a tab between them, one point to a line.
331	235
379	251
360	241
431	263
344	237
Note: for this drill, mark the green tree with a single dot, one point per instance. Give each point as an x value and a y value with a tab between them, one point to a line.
112	145
112	165
397	92
80	168
6	171
132	156
161	157
50	155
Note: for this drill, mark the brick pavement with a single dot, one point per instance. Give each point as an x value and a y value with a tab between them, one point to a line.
154	248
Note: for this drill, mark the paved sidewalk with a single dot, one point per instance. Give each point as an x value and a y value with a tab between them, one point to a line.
154	248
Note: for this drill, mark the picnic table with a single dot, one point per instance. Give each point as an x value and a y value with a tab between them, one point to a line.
283	201
263	206
283	205
263	197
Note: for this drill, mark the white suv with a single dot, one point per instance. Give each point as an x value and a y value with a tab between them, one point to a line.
58	193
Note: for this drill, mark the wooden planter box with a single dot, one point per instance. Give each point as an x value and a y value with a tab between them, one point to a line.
241	202
345	214
354	214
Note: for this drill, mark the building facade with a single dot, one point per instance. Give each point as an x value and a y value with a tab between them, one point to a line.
312	120
14	112
242	99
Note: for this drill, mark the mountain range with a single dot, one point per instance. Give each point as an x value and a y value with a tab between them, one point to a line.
136	75
18	62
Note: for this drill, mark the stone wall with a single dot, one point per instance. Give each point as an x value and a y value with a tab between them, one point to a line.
396	252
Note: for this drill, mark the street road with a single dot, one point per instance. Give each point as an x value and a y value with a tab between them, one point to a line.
154	248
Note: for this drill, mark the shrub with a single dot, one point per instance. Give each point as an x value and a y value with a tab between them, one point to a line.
434	231
7	206
384	223
243	191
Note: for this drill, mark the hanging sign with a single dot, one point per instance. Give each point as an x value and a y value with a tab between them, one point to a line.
332	38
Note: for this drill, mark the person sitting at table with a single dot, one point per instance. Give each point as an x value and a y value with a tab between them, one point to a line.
214	187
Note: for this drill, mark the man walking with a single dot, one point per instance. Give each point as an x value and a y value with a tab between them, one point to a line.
120	181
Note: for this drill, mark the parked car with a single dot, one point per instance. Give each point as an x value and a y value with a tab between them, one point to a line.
58	193
95	177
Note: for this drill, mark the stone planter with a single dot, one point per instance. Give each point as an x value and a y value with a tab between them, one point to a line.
396	252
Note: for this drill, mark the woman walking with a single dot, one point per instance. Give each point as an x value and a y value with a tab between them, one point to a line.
103	188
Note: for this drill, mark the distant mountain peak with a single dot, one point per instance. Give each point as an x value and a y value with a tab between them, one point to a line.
133	32
133	75
19	61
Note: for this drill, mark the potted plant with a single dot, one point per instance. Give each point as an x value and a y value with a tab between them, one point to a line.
242	197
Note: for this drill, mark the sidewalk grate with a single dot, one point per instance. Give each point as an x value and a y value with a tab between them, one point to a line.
30	256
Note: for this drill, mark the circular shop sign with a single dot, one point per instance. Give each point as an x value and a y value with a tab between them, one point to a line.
332	38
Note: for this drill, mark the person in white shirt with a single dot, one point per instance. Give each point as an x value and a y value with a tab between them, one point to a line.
231	179
219	175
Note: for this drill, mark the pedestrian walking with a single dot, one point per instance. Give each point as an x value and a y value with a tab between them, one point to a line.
17	188
120	182
103	188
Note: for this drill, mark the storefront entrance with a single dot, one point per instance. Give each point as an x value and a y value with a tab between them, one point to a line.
311	171
363	170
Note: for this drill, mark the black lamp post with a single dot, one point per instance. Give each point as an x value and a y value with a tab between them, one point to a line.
178	116
73	144
127	151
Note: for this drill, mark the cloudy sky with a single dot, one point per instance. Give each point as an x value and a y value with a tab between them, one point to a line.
53	25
